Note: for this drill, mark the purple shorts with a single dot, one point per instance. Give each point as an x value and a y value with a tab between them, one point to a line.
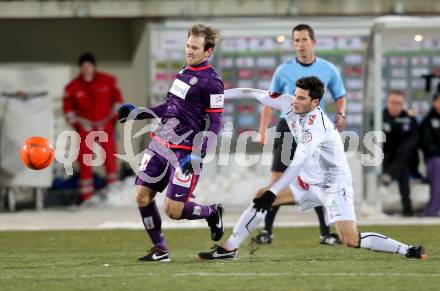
156	173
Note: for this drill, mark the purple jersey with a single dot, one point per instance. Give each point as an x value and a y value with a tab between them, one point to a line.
195	95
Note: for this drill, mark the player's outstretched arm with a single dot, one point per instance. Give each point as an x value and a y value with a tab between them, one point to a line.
265	119
130	111
282	102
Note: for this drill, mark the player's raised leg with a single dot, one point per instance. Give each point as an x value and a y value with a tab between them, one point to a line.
249	220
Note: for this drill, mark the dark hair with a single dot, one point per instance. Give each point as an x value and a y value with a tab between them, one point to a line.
211	35
307	27
313	85
87	57
396	92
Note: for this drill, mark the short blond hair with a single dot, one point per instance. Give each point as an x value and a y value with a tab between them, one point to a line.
210	34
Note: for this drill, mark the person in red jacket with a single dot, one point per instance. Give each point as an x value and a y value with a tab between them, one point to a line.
90	103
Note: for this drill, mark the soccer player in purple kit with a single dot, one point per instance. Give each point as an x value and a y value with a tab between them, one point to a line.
175	154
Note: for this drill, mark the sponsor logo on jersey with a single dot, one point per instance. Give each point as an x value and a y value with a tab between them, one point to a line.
179	88
217	100
181	179
435	123
307	136
296	131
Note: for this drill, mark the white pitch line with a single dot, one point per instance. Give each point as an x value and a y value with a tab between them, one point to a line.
307	274
207	274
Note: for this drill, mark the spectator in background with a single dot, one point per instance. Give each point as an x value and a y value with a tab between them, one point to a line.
401	140
430	145
90	104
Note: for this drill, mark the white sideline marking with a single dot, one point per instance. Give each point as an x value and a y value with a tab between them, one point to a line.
307	274
128	218
189	224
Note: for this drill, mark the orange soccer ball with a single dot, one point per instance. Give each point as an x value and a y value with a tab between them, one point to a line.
37	153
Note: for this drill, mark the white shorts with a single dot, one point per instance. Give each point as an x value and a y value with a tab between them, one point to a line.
337	200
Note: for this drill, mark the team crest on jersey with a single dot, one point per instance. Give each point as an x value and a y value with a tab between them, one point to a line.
179	88
307	136
311	119
193	81
181	179
435	123
217	100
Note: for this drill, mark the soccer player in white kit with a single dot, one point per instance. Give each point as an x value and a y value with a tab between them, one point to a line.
318	175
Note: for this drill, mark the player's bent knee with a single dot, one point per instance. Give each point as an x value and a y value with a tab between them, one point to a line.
142	199
173	211
173	214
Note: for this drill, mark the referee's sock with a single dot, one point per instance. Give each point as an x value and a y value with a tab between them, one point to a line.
270	218
323	228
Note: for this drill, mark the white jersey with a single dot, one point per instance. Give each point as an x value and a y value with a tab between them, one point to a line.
319	158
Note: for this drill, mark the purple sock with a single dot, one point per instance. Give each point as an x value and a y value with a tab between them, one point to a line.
153	224
192	211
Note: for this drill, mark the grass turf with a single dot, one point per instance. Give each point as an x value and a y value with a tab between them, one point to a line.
106	260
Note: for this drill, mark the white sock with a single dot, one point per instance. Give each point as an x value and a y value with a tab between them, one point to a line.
380	243
249	220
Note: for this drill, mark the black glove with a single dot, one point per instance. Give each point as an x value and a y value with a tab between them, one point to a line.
190	160
124	111
264	202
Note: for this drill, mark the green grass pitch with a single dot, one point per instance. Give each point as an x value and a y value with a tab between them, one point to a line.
107	260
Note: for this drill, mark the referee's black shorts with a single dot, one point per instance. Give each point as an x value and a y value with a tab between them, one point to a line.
283	148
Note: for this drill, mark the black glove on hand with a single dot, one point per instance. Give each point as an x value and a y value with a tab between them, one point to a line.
264	202
186	163
124	111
